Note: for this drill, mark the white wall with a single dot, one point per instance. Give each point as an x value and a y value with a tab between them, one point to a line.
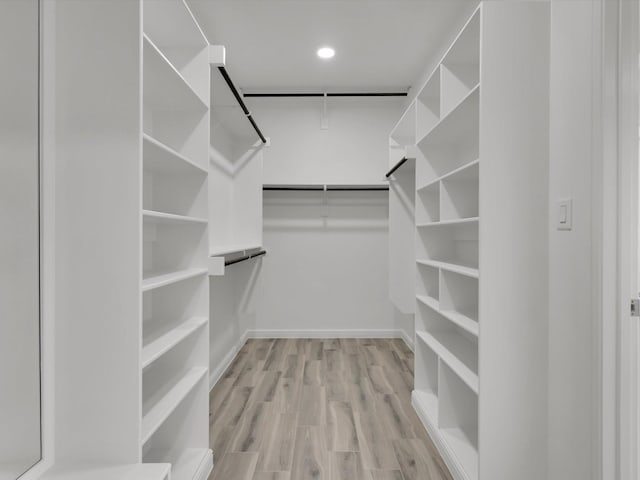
327	264
326	272
354	149
571	327
232	312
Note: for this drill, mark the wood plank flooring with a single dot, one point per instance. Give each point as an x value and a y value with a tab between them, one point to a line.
313	409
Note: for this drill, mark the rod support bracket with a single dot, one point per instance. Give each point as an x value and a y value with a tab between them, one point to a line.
217	55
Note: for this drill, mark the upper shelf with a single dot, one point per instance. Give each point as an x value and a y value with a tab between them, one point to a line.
223	251
171	23
153	280
153	216
462	118
404	132
164	86
160	158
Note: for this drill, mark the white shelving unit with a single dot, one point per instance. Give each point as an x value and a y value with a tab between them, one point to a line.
402	204
235	175
175	329
478	172
131	103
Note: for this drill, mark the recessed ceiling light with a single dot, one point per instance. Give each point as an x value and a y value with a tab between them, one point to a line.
326	52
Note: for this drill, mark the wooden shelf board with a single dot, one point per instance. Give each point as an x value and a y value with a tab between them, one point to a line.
455	221
160	158
457	352
166	405
451	267
162	217
167	89
449	174
160	279
161	344
463	321
448	126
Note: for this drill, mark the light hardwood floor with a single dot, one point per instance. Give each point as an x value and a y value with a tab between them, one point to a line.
298	409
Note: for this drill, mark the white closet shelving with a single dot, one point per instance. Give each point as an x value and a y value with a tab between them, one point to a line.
174	354
447	250
402	141
235	175
477	172
131	103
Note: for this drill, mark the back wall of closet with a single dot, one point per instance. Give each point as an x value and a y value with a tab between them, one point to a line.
326	272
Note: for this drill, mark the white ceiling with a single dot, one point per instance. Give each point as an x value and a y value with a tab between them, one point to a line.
380	44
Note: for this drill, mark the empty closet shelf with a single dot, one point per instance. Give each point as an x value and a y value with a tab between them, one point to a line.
164	86
164	406
463	321
452	267
462	118
426	404
162	217
160	279
168	340
232	250
455	221
457	352
159	158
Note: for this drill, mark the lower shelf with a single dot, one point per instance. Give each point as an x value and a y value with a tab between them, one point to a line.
146	471
164	406
453	444
460	354
193	464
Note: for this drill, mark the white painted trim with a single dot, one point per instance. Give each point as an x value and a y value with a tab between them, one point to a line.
215	375
454	466
381	333
622	410
205	468
47	239
409	340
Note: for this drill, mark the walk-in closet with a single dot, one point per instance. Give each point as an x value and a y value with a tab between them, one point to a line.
319	240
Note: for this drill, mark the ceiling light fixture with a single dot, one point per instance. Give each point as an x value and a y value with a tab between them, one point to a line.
326	52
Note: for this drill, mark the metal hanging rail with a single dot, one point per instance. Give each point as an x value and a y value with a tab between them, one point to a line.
240	101
328	94
396	167
326	188
246	257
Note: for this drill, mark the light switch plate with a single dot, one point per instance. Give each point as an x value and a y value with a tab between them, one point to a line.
564	214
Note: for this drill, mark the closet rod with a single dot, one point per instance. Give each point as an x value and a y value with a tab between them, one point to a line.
346	94
396	167
236	94
329	188
246	257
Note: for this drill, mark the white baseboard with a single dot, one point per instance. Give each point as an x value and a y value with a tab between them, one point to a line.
408	339
382	333
215	375
454	466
